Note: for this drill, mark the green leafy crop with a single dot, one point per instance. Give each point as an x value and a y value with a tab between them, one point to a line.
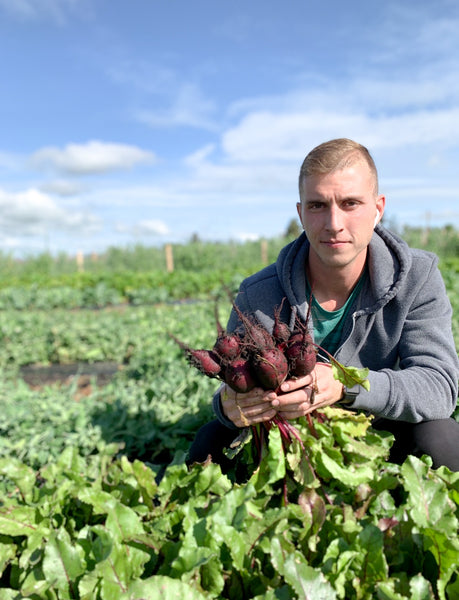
107	528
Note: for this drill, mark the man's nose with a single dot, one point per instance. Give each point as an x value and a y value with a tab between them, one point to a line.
334	220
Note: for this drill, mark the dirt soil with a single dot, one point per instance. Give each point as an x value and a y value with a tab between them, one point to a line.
85	375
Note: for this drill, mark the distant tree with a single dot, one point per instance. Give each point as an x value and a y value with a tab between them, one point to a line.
293	229
195	239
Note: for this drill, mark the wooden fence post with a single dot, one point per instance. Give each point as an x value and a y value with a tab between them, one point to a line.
169	258
264	252
80	261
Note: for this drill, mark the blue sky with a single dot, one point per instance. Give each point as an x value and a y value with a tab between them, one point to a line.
149	121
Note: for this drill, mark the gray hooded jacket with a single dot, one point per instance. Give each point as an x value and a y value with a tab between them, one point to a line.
400	327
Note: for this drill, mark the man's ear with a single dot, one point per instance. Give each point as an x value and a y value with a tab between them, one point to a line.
380	206
298	210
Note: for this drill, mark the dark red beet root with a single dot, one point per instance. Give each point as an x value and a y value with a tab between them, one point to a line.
271	368
259	337
227	346
205	361
239	376
301	353
256	337
281	331
301	361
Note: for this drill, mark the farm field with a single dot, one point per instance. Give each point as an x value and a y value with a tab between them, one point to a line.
99	407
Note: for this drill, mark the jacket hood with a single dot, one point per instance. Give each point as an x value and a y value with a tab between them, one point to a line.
389	260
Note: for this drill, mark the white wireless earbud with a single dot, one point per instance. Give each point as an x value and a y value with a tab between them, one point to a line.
378	214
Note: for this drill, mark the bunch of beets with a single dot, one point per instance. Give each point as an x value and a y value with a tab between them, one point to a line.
252	357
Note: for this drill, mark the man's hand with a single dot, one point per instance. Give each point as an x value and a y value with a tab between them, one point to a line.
249	408
296	398
302	396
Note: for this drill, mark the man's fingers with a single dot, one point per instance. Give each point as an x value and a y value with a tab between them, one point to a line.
243	416
293	399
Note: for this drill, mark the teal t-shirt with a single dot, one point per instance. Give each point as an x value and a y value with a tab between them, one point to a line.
328	324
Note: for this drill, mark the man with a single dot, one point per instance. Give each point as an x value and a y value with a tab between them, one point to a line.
375	303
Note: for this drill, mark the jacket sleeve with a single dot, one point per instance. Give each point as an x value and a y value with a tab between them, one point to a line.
423	384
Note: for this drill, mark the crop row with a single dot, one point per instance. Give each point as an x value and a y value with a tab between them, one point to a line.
128	335
109	288
96	291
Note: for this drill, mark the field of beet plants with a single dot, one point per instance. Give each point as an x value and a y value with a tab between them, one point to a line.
99	406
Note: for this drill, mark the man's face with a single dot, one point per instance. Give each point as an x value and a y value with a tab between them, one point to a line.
338	212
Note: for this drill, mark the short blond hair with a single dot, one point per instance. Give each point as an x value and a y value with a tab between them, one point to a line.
335	155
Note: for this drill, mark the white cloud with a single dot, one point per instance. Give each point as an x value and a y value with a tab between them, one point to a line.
93	157
145	228
151	227
262	136
32	213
